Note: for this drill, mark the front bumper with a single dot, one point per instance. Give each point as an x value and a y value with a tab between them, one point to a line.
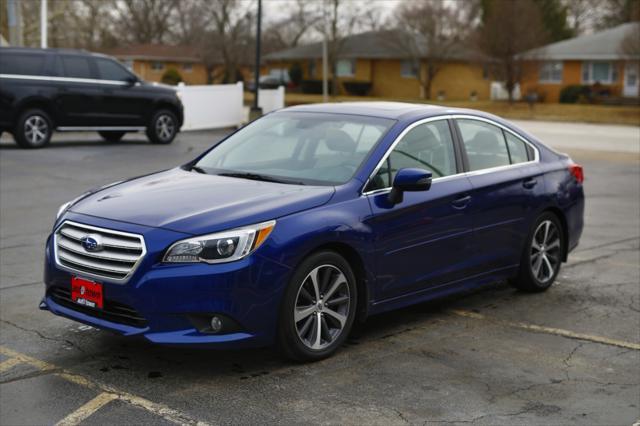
159	302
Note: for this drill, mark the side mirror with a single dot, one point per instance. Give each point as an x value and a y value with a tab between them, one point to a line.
132	80
409	180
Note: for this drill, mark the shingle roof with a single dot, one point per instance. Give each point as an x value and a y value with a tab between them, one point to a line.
159	52
369	45
604	45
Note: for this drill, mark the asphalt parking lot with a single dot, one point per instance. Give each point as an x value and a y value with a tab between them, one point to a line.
568	356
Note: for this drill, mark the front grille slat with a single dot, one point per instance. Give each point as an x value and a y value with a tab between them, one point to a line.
72	246
112	311
77	234
121	252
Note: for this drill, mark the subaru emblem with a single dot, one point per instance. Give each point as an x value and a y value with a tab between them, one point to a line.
91	242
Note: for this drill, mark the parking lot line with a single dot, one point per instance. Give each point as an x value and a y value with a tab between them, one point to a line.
87	409
9	363
158	409
549	330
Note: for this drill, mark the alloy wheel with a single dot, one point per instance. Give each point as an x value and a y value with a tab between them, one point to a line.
36	129
165	127
322	307
545	251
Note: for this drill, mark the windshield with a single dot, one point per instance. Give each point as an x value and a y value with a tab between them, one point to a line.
297	147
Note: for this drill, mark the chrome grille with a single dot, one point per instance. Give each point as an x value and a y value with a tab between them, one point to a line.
116	260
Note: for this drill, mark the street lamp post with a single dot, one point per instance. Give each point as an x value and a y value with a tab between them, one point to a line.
256	111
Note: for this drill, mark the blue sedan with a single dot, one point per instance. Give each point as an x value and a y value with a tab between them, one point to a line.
311	218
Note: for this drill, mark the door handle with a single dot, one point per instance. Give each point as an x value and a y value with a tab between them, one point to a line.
530	183
461	203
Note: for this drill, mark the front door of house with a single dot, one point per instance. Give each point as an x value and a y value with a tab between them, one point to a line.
631	80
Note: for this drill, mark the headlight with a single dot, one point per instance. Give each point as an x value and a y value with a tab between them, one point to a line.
221	247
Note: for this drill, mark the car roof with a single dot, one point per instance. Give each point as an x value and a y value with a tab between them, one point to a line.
37	50
391	110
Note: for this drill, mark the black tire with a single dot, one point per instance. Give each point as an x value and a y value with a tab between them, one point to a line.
332	269
534	274
163	127
33	129
111	135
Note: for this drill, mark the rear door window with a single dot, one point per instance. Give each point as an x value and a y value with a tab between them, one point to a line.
76	66
517	149
484	143
111	70
22	63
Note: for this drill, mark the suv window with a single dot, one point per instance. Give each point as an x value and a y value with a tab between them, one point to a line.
22	63
484	143
111	70
76	66
428	146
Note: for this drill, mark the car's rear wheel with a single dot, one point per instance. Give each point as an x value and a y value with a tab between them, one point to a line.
542	256
163	127
111	135
319	307
33	129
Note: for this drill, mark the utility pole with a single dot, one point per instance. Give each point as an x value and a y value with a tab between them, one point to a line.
256	111
14	13
43	24
325	57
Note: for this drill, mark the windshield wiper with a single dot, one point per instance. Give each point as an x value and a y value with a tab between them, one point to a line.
255	176
198	169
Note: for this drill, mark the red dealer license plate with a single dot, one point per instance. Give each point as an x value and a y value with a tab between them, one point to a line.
87	293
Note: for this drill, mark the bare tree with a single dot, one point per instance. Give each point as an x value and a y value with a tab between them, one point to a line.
510	28
230	35
581	14
288	32
145	21
429	33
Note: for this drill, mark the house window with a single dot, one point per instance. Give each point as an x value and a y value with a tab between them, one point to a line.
312	68
600	72
346	67
157	66
187	67
551	72
408	69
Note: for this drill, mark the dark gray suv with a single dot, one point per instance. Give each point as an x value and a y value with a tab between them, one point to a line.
42	90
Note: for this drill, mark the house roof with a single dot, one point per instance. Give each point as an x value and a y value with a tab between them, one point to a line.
155	52
369	45
604	45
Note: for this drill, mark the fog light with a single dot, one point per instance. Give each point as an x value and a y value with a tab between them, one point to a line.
216	324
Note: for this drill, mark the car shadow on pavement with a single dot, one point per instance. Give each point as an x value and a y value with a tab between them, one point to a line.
140	358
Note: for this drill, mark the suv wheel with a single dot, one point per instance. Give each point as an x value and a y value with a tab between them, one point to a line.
34	129
111	136
163	127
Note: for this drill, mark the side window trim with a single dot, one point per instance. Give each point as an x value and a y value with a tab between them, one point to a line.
457	138
398	139
528	145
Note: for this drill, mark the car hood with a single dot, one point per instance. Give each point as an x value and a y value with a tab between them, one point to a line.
194	203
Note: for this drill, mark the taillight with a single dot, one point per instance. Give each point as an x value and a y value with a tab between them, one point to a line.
576	172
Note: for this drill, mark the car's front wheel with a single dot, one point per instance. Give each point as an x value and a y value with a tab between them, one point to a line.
163	127
319	307
542	256
33	129
111	135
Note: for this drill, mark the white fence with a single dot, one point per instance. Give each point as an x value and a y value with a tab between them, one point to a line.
500	93
271	99
221	105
